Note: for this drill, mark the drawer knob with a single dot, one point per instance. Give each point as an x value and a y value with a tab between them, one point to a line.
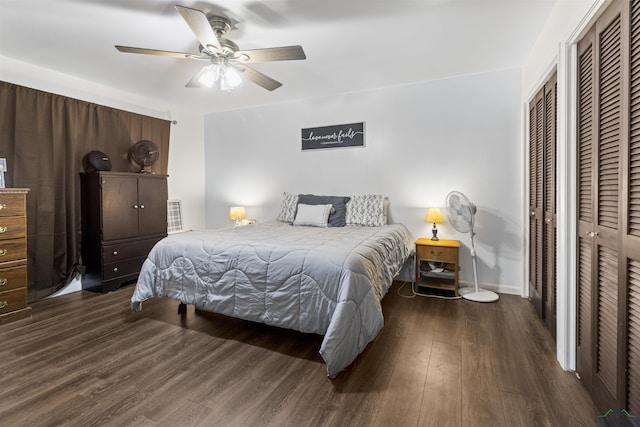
115	269
115	252
141	206
3	281
3	252
436	254
3	206
3	304
135	206
3	229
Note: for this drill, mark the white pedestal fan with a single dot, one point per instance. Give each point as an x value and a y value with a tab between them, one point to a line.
462	216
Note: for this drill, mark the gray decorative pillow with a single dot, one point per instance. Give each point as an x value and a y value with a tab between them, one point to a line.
367	210
288	207
339	203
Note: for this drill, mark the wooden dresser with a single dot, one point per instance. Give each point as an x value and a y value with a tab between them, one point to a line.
123	216
13	254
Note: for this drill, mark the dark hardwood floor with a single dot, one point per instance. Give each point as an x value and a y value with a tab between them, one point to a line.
83	359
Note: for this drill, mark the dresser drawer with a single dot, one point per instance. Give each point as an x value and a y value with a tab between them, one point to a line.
122	251
13	300
437	253
122	268
12	278
13	249
12	205
12	227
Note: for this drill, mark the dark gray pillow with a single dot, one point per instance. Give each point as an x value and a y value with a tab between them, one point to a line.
338	215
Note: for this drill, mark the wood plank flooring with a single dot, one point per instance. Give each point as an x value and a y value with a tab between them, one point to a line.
83	359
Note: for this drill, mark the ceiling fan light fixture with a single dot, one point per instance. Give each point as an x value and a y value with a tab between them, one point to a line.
210	74
229	79
222	73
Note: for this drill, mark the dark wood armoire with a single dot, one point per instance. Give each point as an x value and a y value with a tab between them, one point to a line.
123	216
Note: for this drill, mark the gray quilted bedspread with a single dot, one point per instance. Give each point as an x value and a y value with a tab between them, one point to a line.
328	281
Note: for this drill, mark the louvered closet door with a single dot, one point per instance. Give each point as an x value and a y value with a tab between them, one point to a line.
631	222
536	216
585	158
549	284
542	202
601	132
611	43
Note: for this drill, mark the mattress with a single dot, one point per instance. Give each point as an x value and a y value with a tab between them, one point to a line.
328	281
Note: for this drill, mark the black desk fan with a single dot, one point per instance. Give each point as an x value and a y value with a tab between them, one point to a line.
143	153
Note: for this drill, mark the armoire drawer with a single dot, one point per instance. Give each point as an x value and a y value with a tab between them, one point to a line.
13	249
13	278
122	268
13	300
12	205
122	251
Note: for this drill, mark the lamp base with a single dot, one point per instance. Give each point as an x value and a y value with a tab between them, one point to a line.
435	232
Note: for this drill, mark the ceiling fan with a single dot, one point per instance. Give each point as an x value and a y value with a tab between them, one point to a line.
227	63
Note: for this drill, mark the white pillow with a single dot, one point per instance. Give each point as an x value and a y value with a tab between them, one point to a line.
313	215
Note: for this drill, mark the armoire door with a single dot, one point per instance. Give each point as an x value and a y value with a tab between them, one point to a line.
542	203
119	201
152	203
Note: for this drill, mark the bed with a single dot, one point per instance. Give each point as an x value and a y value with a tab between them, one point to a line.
324	280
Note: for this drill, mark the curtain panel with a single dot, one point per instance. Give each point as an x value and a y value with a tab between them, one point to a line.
44	137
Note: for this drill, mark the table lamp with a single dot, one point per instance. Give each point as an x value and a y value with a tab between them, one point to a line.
435	216
237	214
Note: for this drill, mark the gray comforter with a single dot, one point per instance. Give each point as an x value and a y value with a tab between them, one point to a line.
328	281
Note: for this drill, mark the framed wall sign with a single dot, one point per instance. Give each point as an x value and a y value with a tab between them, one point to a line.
348	135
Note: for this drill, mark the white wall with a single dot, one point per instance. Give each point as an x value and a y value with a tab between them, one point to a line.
422	141
186	144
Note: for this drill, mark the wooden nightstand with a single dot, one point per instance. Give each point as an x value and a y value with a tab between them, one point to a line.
437	266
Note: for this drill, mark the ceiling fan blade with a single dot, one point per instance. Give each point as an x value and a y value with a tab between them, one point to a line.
258	78
199	24
128	49
284	53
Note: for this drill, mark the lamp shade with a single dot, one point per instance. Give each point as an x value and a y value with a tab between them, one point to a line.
434	215
237	213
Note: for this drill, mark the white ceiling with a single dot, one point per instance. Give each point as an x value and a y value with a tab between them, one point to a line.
351	45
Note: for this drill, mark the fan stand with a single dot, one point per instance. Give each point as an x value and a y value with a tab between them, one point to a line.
477	294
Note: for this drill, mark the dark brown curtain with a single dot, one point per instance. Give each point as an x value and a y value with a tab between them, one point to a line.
44	137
